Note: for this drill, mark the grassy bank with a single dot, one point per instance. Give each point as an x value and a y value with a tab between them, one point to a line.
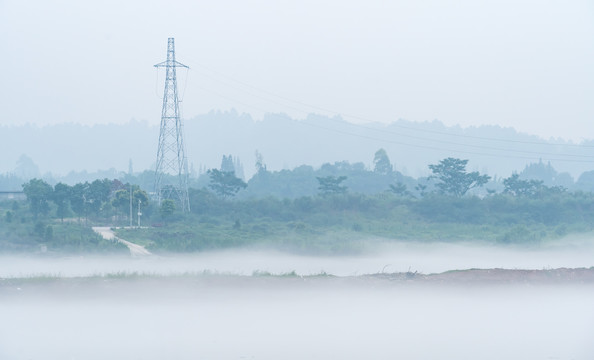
345	224
20	232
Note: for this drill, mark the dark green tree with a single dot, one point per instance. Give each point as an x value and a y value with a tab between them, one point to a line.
26	168
422	189
140	201
400	190
381	163
48	233
224	183
454	180
39	229
142	196
98	195
260	165
167	208
78	195
61	197
121	201
540	171
330	185
38	194
227	164
522	188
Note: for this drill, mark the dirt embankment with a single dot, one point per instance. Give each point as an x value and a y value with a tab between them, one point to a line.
497	276
138	283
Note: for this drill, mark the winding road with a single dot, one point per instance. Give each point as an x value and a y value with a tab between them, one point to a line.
108	234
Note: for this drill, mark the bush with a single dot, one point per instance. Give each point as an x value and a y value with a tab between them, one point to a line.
39	229
49	233
519	234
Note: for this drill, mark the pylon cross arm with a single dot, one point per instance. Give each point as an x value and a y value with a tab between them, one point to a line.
173	64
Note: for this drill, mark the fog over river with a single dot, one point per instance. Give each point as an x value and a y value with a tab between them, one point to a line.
425	258
225	313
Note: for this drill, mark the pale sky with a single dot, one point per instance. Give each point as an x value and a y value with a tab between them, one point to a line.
525	64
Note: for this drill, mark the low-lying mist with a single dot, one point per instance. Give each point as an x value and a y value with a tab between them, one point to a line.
255	318
63	308
571	252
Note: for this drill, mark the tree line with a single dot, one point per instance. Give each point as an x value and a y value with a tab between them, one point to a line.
99	198
451	203
112	198
448	177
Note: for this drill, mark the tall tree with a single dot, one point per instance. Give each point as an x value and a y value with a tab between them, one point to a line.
98	194
238	166
78	195
26	168
142	196
330	185
400	190
224	183
260	165
227	164
61	197
518	187
529	188
381	162
121	201
454	180
129	195
38	194
167	208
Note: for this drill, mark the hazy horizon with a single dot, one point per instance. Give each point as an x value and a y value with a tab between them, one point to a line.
522	64
411	146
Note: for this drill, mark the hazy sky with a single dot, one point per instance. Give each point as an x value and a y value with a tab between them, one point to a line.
526	64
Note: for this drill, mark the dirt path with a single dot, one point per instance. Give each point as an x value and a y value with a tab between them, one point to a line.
108	234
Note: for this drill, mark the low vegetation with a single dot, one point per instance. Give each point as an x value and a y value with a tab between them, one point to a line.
444	207
339	223
21	231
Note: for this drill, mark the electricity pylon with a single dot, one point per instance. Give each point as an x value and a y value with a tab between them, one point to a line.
171	154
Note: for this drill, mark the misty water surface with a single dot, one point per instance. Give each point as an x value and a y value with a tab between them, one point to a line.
213	315
572	252
283	319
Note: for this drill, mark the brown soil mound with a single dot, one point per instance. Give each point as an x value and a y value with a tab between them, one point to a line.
487	276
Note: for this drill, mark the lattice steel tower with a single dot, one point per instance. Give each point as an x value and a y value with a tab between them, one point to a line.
171	174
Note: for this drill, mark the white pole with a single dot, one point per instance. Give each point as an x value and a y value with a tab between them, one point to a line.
139	213
130	205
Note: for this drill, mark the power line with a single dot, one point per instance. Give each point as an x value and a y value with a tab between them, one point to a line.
383	131
443	149
371	121
303	122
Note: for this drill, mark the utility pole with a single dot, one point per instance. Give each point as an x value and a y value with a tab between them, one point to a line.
130	205
139	213
171	153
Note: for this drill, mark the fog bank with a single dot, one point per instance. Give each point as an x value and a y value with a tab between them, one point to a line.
263	317
277	320
392	257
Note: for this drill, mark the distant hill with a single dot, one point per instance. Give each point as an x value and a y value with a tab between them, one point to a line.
286	143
